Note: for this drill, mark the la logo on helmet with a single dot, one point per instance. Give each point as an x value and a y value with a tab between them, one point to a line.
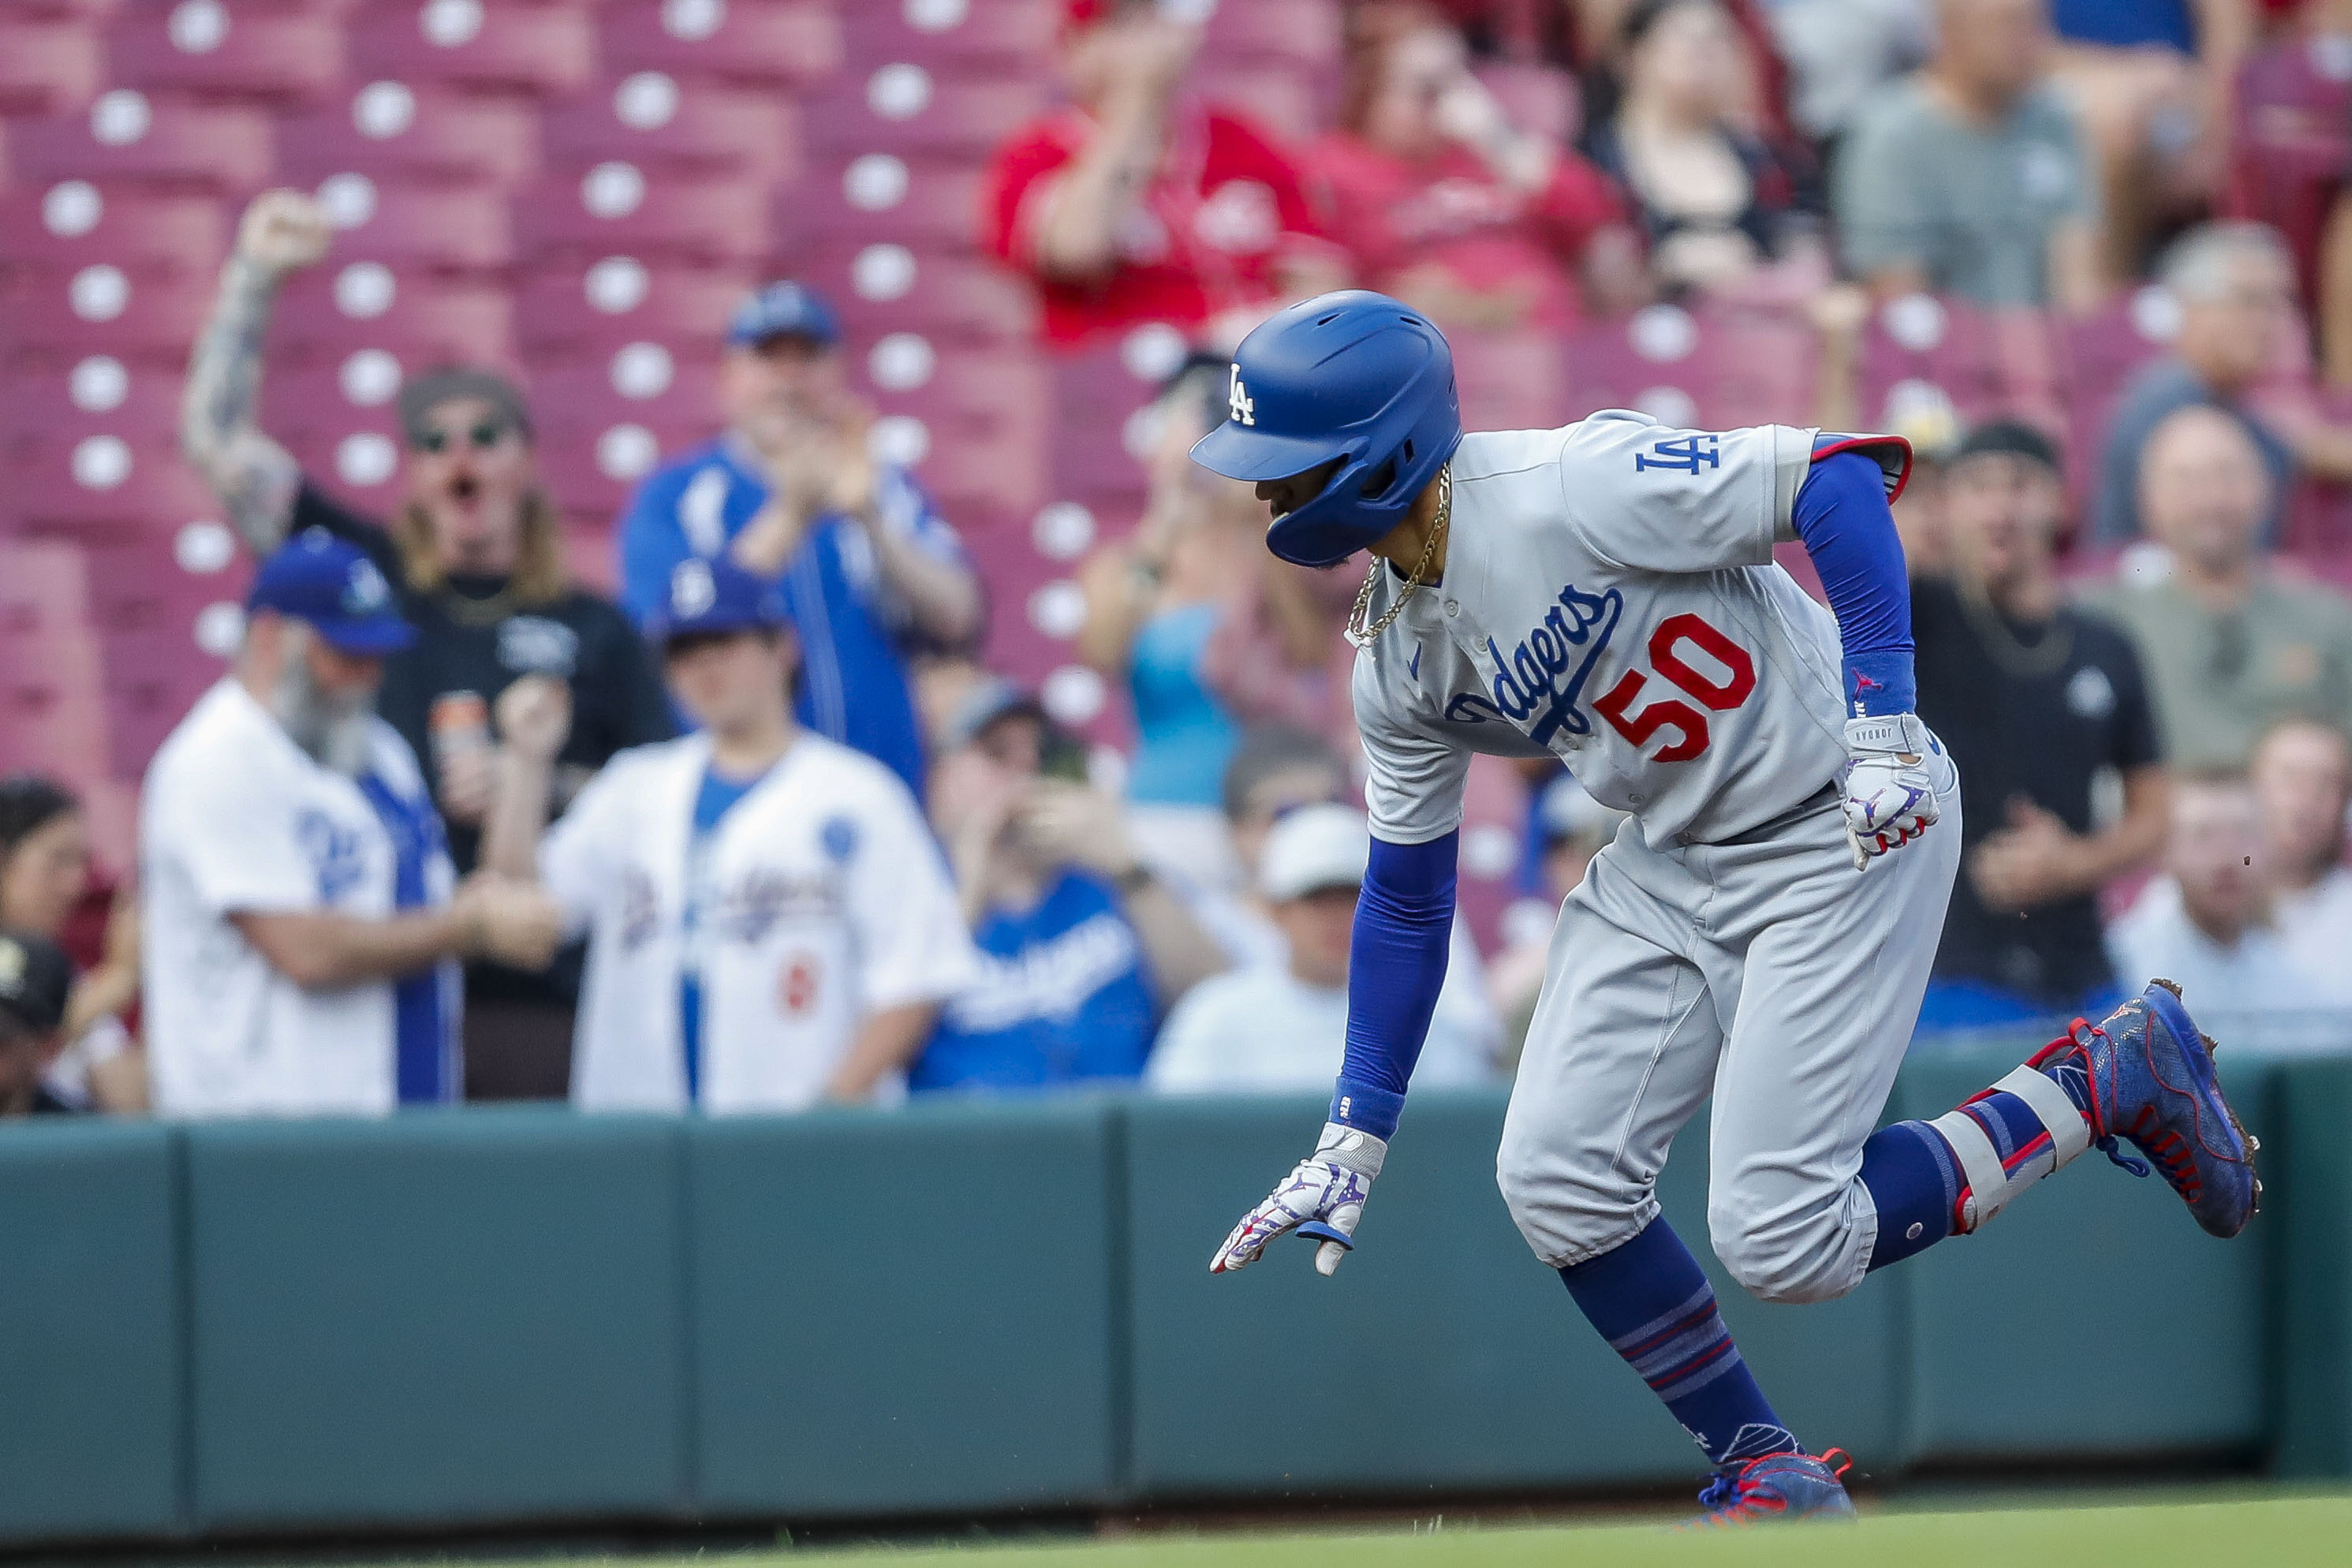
1245	412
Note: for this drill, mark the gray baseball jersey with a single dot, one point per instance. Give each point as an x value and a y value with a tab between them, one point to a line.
1610	597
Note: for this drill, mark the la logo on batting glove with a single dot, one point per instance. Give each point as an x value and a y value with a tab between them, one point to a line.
1322	1199
1889	799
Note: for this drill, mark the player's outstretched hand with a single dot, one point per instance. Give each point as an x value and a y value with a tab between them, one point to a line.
1322	1198
1889	799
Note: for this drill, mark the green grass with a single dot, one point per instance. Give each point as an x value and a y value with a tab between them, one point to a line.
2270	1532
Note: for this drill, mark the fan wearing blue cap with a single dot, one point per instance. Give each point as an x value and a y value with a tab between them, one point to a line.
1760	936
768	922
300	911
793	493
473	553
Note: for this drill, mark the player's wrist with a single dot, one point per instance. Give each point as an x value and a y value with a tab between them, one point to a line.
1365	1107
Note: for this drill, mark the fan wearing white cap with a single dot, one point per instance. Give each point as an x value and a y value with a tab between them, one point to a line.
1284	1026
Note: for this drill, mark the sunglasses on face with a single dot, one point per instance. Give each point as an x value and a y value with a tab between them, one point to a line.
481	436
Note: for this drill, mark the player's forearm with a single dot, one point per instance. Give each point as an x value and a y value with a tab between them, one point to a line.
943	596
1848	528
1179	952
771	538
518	814
324	952
2134	838
253	477
1396	967
1079	231
890	1039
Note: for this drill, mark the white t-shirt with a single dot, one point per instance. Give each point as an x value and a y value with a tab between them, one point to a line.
824	900
2315	926
2252	993
236	818
1464	1006
1609	599
1264	1029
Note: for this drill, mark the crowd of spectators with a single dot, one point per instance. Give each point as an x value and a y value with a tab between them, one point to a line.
763	830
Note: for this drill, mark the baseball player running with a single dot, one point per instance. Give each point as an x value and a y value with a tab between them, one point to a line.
1760	930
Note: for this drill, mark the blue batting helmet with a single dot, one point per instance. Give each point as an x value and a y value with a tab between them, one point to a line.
1352	377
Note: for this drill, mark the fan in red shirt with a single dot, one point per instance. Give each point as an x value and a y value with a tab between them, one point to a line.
1140	204
1444	205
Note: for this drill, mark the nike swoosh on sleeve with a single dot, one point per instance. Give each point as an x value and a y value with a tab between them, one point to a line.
1414	666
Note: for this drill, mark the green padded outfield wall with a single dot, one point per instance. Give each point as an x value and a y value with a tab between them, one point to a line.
906	1311
453	1316
1441	1355
2057	1329
90	1416
490	1315
2310	1188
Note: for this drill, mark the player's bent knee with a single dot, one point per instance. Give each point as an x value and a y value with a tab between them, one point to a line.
1566	1212
1791	1263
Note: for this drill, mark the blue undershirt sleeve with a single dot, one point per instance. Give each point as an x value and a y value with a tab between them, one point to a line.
1396	966
1842	517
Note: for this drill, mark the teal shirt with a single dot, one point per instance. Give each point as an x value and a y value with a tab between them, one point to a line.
1184	736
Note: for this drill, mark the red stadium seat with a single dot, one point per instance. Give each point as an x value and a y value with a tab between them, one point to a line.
104	487
539	46
577	311
774	42
642	383
393	129
614	207
48	64
1661	361
881	197
126	134
422	318
52	708
901	107
959	38
656	120
55	318
409	226
71	224
44	586
594	469
1924	340
1303	33
885	287
244	51
1509	380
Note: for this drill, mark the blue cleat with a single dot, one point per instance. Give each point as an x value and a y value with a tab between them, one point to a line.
2149	1074
1778	1487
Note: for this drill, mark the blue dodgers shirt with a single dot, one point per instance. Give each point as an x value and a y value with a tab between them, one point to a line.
852	685
719	795
426	1064
1062	997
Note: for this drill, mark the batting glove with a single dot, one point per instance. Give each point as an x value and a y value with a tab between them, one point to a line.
1322	1198
1889	800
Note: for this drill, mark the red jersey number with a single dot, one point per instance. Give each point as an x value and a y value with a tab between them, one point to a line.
1672	647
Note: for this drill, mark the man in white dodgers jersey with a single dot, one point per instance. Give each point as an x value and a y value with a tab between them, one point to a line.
1760	932
768	921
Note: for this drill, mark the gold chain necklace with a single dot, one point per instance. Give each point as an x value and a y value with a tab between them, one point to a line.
1363	635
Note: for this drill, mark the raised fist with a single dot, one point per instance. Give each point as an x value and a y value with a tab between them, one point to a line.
284	231
534	716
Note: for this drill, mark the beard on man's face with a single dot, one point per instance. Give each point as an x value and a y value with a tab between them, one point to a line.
331	727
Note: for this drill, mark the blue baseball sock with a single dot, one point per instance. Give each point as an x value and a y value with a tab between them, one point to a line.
1652	1304
1915	1178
